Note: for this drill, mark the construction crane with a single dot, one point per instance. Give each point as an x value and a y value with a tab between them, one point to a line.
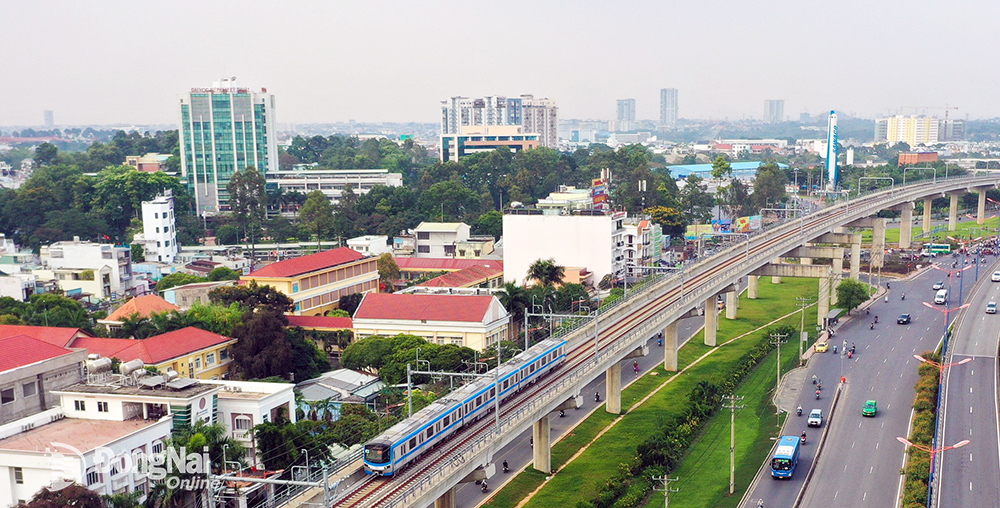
946	109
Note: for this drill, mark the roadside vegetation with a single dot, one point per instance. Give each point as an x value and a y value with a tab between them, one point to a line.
918	462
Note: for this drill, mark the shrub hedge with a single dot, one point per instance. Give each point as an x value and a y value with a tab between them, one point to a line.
918	463
663	451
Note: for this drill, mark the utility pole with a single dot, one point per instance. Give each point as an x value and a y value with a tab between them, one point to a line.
778	339
802	326
666	489
731	405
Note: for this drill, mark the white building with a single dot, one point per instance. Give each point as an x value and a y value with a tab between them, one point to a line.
19	286
333	182
439	239
371	245
159	231
245	404
774	110
537	116
582	238
668	108
103	270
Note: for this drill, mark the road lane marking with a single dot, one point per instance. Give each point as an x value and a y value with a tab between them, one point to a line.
970	410
864	496
876	446
970	389
882	426
887	407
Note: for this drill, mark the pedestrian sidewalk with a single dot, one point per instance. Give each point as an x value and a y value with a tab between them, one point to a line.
789	390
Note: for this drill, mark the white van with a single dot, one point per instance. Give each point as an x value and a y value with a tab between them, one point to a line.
941	297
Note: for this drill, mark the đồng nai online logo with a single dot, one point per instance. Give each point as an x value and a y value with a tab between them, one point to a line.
166	467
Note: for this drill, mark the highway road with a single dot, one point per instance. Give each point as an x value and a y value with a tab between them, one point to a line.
968	476
861	458
518	453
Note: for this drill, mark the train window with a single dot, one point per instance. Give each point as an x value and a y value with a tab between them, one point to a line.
430	432
445	421
412	444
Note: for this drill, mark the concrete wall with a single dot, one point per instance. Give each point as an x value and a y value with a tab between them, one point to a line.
53	374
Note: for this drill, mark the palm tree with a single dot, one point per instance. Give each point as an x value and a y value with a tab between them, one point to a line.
136	327
514	298
546	272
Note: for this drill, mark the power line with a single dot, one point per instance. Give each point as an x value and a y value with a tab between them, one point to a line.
666	489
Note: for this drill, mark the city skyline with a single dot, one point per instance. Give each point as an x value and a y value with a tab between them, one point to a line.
377	61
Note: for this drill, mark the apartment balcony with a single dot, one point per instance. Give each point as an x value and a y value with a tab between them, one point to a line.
243	435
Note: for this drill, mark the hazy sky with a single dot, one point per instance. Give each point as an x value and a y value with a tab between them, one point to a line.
127	61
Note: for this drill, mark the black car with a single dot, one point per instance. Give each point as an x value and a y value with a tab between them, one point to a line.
903	319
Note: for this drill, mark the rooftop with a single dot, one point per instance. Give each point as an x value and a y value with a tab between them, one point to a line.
439	226
310	263
339	323
144	306
57	336
439	264
155	349
414	307
464	278
187	392
22	350
84	435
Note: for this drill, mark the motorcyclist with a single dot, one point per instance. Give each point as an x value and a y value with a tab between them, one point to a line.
814	378
597	396
798	410
876	318
803	436
902	296
887	285
505	467
817	394
886	298
871	325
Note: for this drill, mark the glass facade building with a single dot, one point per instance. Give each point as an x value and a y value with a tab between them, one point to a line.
224	129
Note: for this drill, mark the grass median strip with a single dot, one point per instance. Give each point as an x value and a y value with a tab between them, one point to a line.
658	398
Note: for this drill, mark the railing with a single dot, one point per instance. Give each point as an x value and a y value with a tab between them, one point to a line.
646	289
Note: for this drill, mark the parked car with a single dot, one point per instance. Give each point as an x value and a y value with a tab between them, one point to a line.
903	319
870	408
815	418
991	308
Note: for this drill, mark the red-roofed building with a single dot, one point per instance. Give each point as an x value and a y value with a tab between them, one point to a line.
415	268
59	336
144	306
474	321
321	323
192	352
486	275
29	369
316	282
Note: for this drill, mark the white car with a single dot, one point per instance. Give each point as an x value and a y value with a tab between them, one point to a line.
991	308
815	418
995	277
940	285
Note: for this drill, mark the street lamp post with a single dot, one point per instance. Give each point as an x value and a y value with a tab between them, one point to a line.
307	461
933	451
941	367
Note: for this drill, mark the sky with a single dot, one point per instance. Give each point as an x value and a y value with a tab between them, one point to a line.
121	61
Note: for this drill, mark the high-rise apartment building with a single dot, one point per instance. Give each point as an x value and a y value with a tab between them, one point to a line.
774	111
224	129
668	108
917	130
626	110
50	119
536	116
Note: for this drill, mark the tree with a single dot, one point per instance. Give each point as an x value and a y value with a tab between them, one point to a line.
75	495
769	186
252	297
45	154
721	169
670	219
546	272
350	302
227	234
489	223
247	200
263	349
138	252
851	294
223	273
515	299
177	279
695	201
735	199
317	215
388	272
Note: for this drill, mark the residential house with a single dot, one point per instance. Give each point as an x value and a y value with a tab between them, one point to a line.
417	268
339	387
474	321
242	405
30	369
316	282
141	306
191	352
103	270
189	294
370	245
486	275
439	239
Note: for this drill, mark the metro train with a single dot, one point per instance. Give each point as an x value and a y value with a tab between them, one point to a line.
407	440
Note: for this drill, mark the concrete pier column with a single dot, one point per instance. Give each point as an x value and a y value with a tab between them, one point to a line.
613	389
928	203
541	451
805	261
856	261
776	279
823	300
447	500
905	225
711	321
838	272
732	303
752	281
981	209
953	212
670	347
878	243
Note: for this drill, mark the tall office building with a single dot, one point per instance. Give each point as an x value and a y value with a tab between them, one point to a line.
50	119
536	116
626	110
774	111
224	128
668	108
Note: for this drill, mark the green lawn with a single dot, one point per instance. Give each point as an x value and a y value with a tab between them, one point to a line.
582	478
964	228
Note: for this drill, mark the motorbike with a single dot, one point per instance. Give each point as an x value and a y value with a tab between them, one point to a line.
850	354
483	486
597	396
902	296
803	438
505	468
817	394
798	411
834	349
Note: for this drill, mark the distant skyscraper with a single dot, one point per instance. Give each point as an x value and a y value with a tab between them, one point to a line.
50	119
668	107
913	130
224	129
626	110
774	111
537	116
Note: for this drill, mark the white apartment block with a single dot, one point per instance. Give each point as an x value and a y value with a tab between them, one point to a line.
592	239
246	404
159	230
537	116
439	239
333	182
69	262
370	245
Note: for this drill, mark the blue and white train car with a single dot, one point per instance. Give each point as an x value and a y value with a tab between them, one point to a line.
408	439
